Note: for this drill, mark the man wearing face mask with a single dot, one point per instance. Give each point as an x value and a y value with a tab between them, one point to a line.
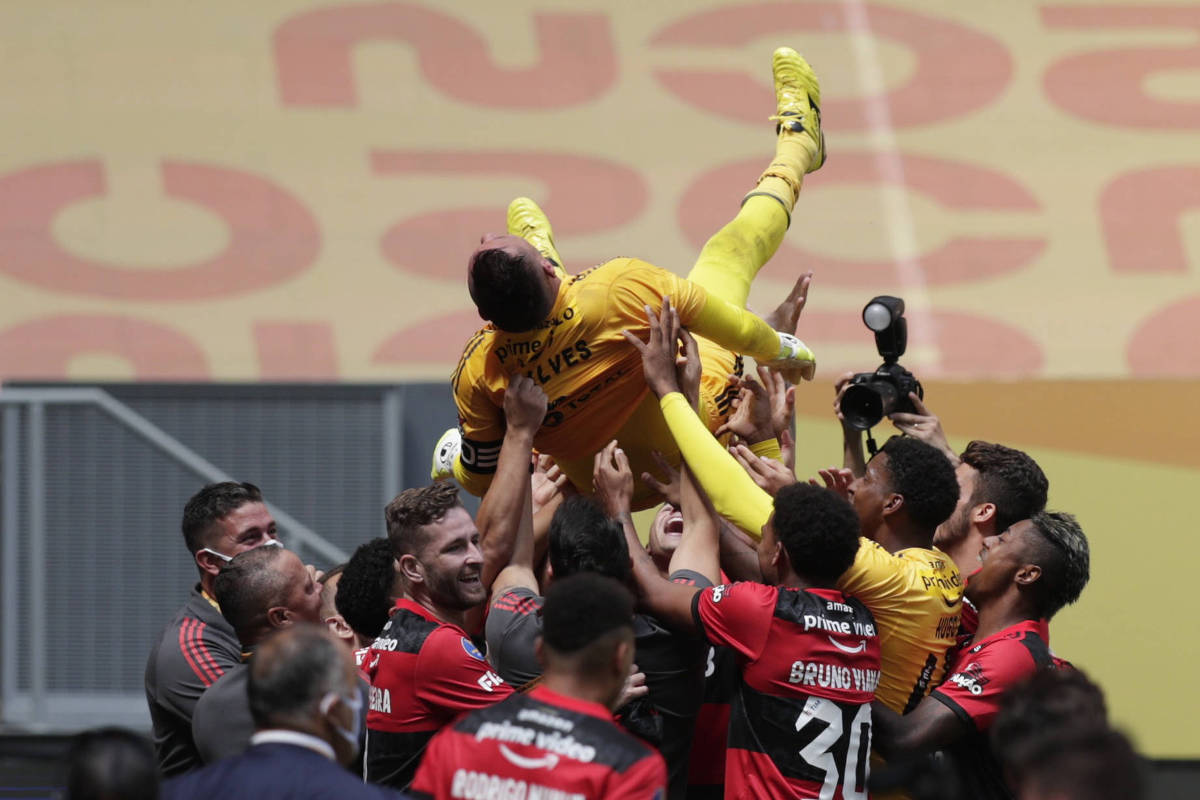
198	646
303	693
260	592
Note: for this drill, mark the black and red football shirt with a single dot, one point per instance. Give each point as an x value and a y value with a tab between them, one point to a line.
423	674
979	676
800	722
539	744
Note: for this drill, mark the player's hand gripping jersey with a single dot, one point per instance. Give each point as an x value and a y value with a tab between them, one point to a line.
800	725
592	375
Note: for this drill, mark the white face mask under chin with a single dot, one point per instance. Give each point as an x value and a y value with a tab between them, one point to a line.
354	703
227	559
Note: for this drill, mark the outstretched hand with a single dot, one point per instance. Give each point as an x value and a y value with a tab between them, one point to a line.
836	480
613	479
769	474
660	351
751	417
786	315
548	482
670	489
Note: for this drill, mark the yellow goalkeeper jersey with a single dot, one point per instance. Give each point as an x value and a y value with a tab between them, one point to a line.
915	594
590	373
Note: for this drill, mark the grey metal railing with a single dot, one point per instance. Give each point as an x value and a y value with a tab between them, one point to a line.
92	484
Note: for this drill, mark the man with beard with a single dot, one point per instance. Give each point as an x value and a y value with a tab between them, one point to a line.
423	668
998	486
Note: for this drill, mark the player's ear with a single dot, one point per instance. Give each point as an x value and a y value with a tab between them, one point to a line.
279	617
893	503
339	627
410	568
622	659
781	562
1028	574
208	562
984	513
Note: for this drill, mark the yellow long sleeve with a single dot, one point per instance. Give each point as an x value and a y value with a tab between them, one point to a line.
733	493
735	329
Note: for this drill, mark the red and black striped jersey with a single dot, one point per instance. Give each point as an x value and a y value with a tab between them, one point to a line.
673	663
539	744
706	762
423	674
980	675
195	649
800	722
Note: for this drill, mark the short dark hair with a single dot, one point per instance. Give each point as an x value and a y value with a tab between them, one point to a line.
1009	479
290	673
924	477
1062	551
414	508
584	617
1082	763
248	586
508	291
1043	704
111	764
818	529
364	594
210	505
585	539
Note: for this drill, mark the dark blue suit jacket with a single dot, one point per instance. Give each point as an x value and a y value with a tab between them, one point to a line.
274	771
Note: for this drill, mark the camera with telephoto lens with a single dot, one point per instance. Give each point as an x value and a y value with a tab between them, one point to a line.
871	396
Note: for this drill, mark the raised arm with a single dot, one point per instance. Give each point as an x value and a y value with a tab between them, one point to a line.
669	602
699	549
505	518
733	493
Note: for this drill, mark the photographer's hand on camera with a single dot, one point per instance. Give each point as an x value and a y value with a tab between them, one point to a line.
923	425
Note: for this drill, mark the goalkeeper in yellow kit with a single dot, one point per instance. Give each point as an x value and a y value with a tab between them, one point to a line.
565	331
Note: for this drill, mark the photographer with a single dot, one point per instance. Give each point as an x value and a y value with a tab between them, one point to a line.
998	485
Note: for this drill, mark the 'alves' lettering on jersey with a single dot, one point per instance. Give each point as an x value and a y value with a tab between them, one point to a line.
553	365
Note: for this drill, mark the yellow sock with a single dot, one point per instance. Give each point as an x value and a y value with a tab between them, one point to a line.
732	257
